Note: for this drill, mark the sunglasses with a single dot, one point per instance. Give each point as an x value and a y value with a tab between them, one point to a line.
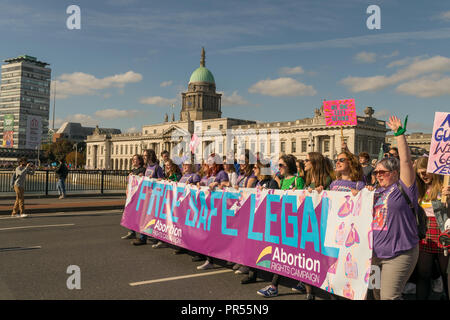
381	172
306	160
280	165
342	159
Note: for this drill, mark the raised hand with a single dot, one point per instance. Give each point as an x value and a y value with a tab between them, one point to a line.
394	123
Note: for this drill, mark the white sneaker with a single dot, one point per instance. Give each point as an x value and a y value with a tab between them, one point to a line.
410	288
23	215
437	285
207	265
160	244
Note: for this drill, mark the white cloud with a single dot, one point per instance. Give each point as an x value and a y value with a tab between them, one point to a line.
291	71
157	100
234	100
426	87
435	64
282	87
382	114
445	16
116	113
80	83
390	55
365	57
132	130
166	83
84	119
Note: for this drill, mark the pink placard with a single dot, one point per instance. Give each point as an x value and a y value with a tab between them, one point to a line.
340	112
439	159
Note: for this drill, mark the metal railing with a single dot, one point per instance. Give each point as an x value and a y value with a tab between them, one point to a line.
84	181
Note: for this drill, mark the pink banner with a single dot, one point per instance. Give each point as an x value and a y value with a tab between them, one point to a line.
323	240
340	112
439	159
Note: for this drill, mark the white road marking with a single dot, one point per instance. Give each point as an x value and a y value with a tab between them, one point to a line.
133	284
43	226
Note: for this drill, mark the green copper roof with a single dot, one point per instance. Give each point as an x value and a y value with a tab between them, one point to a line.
202	74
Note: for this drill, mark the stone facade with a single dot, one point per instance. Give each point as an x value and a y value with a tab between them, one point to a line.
201	114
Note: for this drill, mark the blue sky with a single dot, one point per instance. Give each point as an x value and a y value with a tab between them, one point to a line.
272	60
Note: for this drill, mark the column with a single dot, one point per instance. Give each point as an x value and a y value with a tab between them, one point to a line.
316	144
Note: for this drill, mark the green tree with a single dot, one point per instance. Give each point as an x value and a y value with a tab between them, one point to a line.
80	159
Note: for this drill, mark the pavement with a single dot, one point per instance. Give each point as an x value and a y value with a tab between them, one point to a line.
49	204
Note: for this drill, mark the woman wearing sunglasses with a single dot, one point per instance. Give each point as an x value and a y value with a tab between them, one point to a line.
395	234
290	181
349	174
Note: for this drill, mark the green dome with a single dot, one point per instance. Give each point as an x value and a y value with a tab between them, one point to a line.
202	74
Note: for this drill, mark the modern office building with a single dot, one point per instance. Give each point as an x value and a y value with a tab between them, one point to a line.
24	102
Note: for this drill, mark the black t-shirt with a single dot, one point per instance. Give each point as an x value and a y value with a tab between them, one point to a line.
138	171
367	171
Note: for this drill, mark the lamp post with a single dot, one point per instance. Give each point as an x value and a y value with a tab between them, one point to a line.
76	153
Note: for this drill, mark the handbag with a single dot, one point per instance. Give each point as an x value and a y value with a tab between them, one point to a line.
421	217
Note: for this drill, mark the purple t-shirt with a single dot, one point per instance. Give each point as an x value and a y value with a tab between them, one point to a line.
190	178
221	176
394	223
345	185
154	171
242	180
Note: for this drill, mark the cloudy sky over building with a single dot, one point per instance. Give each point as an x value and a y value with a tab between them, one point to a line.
271	60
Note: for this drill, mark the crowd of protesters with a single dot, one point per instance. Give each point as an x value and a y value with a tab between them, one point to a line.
395	179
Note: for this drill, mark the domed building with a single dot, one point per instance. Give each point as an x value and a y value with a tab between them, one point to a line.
201	113
201	101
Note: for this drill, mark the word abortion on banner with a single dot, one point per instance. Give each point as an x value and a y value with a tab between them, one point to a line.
439	159
340	112
324	240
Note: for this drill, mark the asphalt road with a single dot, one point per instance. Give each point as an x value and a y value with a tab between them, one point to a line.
36	252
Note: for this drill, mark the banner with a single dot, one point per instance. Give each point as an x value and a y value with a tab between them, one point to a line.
34	132
340	112
323	240
439	159
8	131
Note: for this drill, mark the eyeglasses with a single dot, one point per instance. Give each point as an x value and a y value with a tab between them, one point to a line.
382	172
342	159
392	154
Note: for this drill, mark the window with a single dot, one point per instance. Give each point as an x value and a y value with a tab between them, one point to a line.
221	126
304	146
326	146
293	146
283	146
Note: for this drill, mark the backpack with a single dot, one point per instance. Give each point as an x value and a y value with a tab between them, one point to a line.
421	217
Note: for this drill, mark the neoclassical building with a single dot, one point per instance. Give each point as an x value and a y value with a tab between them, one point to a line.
201	114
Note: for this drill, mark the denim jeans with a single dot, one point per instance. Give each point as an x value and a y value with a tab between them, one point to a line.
61	187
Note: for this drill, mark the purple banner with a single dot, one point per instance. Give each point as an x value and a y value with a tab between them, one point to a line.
322	240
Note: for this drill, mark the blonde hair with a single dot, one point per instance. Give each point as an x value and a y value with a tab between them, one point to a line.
436	182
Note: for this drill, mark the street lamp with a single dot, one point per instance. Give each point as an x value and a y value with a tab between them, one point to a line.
76	153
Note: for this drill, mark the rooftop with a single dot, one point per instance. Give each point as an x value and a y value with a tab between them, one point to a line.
28	59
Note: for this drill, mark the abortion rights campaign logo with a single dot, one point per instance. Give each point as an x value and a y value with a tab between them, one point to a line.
149	227
265	254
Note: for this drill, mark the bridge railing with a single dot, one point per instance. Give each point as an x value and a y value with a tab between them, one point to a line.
79	181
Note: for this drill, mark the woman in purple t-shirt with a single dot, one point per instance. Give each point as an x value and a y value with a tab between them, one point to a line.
215	174
246	178
349	174
395	234
189	177
215	177
153	170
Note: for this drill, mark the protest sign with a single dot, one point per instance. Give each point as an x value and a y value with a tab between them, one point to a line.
323	240
340	112
439	159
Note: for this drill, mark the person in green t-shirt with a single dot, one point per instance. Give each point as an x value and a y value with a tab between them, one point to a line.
290	181
288	169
